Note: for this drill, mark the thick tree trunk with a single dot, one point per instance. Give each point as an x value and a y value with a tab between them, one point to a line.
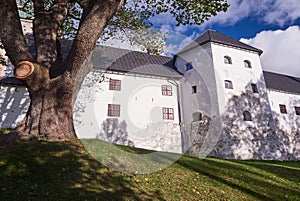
50	113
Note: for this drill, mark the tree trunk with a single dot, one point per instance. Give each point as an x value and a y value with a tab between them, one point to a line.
50	114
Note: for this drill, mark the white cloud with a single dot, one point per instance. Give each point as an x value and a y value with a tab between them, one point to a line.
283	11
177	42
278	12
281	50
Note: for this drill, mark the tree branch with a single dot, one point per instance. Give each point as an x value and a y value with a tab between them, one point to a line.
11	34
94	19
83	3
46	27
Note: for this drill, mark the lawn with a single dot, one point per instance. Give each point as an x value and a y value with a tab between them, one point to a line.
65	171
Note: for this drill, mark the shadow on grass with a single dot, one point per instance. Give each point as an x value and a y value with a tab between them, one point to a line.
62	171
261	185
128	159
287	170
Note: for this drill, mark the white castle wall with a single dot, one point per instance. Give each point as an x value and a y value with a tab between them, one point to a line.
255	139
140	123
289	122
14	102
204	101
287	125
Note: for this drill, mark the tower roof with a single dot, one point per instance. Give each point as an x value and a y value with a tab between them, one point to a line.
217	37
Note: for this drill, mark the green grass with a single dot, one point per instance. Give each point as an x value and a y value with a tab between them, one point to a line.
65	171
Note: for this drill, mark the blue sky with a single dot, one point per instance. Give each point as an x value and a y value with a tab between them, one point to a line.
270	25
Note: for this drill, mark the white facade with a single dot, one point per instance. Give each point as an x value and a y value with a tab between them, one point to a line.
289	121
14	102
140	121
241	77
231	80
199	96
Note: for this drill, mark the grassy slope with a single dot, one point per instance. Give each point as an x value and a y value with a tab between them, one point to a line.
64	171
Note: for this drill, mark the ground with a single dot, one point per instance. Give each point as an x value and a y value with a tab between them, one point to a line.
65	171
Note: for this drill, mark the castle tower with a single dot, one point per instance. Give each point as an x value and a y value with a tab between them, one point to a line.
226	84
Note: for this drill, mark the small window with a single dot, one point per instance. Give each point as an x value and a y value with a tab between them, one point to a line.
168	113
247	64
297	110
282	109
197	116
194	89
188	66
114	84
166	90
247	116
113	110
227	60
254	88
228	84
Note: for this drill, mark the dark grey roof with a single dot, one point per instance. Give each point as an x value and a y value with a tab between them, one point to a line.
115	59
11	81
217	37
282	82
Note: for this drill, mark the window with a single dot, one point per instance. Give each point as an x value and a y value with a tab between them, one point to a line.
197	116
194	89
228	84
227	60
282	109
247	116
166	90
188	66
113	110
297	110
254	88
168	113
247	64
114	84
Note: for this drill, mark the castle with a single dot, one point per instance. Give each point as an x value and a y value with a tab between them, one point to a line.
211	98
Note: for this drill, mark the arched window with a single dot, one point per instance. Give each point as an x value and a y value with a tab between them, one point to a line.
188	66
247	116
227	60
197	116
247	64
228	84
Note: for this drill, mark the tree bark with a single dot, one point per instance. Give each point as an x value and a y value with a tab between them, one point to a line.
50	113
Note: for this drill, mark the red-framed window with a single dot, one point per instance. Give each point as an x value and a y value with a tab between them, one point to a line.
113	110
166	90
297	110
282	109
114	84
168	113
